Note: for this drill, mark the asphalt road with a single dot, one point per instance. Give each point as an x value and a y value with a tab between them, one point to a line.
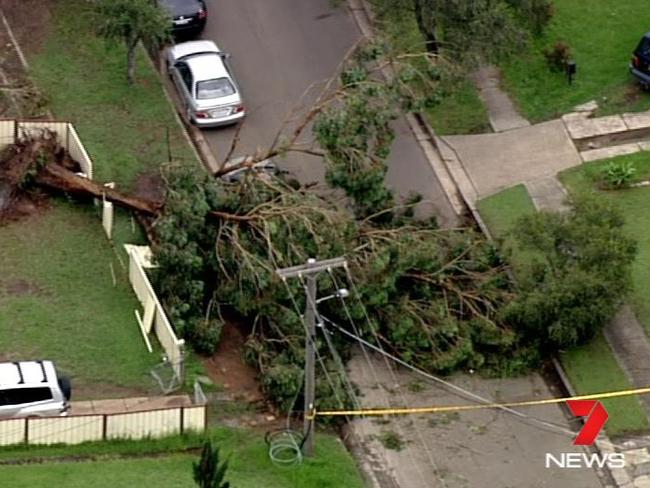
282	53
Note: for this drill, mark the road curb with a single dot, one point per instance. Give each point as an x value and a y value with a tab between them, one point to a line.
423	133
192	134
455	182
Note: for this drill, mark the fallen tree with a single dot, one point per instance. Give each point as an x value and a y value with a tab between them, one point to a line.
39	160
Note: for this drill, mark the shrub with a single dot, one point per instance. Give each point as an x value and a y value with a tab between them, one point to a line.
391	440
209	471
540	13
618	174
205	334
558	56
579	277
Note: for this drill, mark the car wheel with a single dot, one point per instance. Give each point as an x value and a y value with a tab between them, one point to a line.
188	116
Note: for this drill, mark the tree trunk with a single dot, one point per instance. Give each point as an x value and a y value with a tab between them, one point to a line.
131	44
43	162
426	28
57	177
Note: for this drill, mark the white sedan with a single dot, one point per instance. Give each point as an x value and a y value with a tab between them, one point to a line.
205	83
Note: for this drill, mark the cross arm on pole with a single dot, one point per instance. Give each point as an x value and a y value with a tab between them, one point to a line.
309	268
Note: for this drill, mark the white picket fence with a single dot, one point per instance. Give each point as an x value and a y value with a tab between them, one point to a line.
75	429
154	316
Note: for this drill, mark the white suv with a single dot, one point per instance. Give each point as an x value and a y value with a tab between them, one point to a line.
32	389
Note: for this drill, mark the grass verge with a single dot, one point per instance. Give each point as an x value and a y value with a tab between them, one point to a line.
591	368
500	212
249	466
602	50
461	111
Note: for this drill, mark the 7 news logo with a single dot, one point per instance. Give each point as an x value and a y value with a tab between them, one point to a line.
596	418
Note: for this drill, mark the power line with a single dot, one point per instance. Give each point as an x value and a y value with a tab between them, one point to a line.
480	406
462	392
428	452
373	371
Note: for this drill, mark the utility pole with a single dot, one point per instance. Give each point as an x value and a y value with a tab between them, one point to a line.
309	271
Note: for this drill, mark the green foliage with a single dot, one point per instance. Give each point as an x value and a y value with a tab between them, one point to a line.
132	21
581	278
536	14
356	134
209	471
469	30
391	440
618	174
183	250
480	29
431	296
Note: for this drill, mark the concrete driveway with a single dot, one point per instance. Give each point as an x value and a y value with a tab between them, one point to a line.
493	162
280	50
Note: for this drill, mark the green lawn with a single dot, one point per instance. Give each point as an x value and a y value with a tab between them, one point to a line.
500	211
602	34
592	368
461	110
604	374
249	467
57	298
635	204
122	127
58	301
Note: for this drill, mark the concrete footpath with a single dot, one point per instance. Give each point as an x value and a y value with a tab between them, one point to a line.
502	112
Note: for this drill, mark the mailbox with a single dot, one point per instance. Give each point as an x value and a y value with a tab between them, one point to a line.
571	68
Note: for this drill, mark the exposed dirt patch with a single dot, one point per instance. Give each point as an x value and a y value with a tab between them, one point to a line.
633	93
20	287
241	404
30	21
23	206
227	367
150	186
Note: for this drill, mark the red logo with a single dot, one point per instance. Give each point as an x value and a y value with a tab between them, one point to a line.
596	418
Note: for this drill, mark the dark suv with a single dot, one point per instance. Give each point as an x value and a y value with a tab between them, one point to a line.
640	64
188	16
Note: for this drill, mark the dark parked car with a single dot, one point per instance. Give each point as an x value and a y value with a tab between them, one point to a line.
188	16
640	64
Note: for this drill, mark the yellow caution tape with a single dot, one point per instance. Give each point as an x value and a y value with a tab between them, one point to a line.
460	408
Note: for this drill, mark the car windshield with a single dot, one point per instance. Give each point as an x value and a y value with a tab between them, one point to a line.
221	87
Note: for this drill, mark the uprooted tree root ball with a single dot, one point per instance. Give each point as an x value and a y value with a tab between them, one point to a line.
38	162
